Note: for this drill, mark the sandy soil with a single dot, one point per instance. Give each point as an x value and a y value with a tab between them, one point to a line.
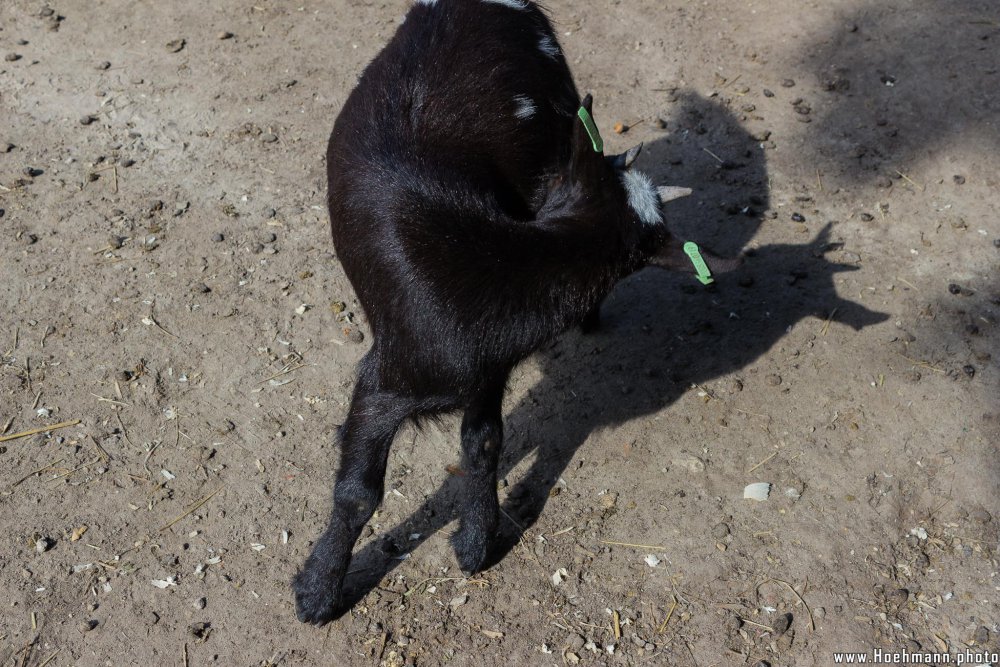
166	278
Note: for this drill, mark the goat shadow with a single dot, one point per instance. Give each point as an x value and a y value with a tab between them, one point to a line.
661	332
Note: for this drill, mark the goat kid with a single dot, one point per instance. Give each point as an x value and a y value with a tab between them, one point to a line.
476	216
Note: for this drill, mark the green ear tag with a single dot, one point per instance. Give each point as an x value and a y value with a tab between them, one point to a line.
588	124
704	274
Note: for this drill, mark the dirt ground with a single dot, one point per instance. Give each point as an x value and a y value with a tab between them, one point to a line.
168	286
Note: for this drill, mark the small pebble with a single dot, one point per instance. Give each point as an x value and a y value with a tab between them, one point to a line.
969	370
31	172
620	128
883	182
733	623
768	93
912	376
225	34
43	544
200	603
867	217
268	137
201	288
773	379
86	120
980	516
781	624
959	179
123	376
128	162
355	336
11	57
6	147
269	237
104	64
981	636
87	626
218	237
898	597
996	243
175	45
788	83
798	217
720	530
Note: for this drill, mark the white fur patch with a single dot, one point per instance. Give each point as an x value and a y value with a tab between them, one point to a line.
513	4
426	2
548	46
525	107
642	197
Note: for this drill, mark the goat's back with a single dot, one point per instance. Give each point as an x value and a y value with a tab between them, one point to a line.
472	89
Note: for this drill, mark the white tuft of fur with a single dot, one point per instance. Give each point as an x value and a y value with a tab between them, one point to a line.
548	46
429	3
513	4
642	197
525	107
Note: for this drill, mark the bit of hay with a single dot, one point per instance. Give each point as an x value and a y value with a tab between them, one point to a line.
762	462
192	508
648	547
40	429
663	626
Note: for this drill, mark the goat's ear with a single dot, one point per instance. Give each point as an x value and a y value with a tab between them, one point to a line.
588	147
673	257
623	161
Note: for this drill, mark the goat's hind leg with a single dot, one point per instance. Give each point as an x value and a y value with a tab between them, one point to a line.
371	425
482	437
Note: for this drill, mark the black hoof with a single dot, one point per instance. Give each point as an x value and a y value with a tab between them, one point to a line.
471	550
317	597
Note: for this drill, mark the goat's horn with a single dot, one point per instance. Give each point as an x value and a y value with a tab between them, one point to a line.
671	192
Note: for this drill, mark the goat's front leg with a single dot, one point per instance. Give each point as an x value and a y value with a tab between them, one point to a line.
482	437
367	434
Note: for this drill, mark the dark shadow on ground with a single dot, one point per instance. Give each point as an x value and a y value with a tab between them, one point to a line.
662	331
903	82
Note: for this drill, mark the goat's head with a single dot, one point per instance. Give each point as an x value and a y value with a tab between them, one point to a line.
606	190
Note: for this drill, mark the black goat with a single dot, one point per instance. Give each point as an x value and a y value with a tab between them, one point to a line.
477	217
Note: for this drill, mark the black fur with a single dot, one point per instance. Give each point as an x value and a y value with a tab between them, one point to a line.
471	237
